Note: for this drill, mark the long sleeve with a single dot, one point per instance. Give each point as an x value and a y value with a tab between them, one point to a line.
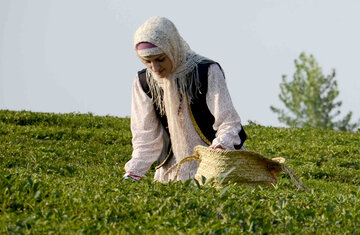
227	121
147	132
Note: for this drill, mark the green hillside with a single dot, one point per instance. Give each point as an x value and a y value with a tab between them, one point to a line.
62	173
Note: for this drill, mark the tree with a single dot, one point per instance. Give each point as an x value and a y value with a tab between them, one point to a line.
310	98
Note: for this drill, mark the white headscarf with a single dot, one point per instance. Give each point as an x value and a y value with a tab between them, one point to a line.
162	33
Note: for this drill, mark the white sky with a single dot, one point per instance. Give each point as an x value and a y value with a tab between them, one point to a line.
77	55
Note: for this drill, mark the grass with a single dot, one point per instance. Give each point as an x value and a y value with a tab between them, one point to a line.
62	173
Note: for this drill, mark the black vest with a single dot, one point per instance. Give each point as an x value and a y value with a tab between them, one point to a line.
198	106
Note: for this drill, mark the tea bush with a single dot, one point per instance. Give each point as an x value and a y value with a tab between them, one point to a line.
62	173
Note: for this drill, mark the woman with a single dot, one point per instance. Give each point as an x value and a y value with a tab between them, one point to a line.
178	102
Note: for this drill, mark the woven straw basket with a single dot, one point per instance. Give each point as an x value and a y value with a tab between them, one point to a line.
243	167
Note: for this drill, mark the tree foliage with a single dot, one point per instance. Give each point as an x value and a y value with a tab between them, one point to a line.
310	98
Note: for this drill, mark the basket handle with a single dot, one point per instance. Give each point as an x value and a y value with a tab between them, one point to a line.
179	164
294	178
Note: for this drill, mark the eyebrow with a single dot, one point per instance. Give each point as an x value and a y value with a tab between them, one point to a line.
153	57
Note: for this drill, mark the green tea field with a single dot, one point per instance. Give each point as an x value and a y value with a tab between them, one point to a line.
62	174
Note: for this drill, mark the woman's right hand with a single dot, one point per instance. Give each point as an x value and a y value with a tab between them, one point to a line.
129	175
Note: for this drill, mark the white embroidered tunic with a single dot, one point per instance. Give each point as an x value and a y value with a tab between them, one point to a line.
148	132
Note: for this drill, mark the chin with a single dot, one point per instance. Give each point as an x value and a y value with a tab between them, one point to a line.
162	75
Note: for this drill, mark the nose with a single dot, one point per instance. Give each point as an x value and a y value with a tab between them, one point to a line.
155	67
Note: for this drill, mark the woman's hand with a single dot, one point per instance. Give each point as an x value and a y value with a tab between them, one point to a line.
216	147
129	175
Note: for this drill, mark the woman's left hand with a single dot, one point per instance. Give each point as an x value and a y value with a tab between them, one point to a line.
217	147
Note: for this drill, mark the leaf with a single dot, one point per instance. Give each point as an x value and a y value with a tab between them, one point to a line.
203	179
224	190
37	194
197	183
223	176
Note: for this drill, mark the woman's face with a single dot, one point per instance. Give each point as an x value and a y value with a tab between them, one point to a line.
160	64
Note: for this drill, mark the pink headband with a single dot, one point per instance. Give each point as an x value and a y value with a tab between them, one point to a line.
144	45
147	49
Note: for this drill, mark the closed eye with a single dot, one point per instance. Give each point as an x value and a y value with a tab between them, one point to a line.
160	59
